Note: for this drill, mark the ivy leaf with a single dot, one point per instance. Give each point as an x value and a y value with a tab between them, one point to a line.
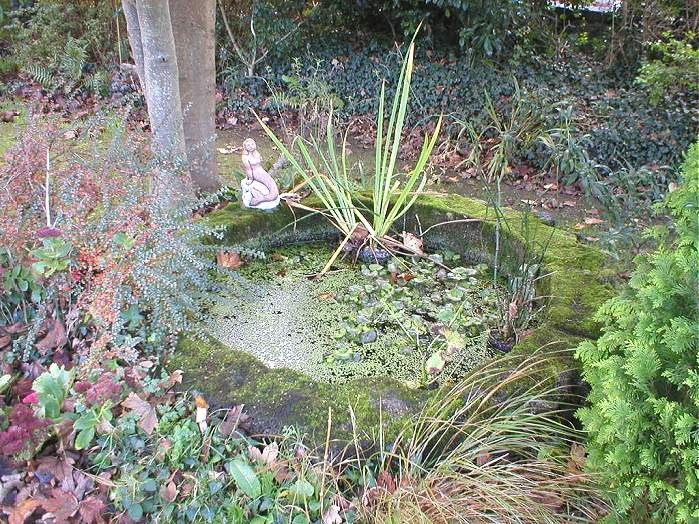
245	478
148	419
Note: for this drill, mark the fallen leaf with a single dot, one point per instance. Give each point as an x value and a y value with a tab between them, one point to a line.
332	515
174	379
569	203
579	225
229	260
61	504
148	419
22	512
577	457
91	510
412	243
169	491
235	418
270	453
386	481
55	337
593	220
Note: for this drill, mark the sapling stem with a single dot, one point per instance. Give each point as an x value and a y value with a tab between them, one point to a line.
47	200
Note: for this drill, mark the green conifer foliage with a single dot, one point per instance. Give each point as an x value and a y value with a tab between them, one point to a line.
643	417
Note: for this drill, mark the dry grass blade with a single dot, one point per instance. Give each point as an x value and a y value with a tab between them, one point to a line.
493	449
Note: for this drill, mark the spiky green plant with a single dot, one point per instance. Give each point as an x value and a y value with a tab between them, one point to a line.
328	177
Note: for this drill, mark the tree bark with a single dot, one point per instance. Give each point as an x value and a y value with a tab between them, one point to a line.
133	29
193	26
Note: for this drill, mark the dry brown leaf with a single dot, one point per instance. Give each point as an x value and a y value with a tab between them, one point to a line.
20	513
577	457
169	491
229	260
593	220
386	481
332	515
148	419
412	243
174	379
235	418
61	504
55	337
91	510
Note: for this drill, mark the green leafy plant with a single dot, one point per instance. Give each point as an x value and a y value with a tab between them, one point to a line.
328	178
52	257
642	415
676	69
52	388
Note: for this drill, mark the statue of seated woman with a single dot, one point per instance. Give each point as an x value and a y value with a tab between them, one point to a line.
258	187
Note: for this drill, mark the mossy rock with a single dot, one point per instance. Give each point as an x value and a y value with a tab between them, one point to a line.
575	284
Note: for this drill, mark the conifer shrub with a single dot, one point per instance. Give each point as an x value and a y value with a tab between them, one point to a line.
643	417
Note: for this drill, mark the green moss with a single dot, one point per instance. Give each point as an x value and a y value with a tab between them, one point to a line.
281	397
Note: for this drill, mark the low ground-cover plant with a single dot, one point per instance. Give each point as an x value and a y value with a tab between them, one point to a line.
642	414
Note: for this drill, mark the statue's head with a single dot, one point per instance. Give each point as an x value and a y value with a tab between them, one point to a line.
249	145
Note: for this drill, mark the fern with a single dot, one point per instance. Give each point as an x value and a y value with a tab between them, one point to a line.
40	74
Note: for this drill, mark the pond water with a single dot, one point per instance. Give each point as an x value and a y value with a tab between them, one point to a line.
417	320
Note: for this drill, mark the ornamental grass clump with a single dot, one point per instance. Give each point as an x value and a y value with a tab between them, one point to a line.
497	447
392	193
643	414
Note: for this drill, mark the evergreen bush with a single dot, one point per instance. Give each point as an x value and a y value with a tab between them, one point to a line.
643	417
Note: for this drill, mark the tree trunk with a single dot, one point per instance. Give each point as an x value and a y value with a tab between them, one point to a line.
133	29
163	99
194	32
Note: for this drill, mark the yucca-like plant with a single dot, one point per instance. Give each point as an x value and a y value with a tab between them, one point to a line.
327	176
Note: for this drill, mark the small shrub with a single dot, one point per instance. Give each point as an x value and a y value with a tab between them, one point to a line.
643	415
87	247
676	69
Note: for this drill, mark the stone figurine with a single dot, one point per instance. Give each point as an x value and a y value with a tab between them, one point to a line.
259	188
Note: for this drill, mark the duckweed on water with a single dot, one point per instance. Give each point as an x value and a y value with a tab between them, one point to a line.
411	319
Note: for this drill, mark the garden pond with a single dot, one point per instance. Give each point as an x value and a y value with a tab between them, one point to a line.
414	319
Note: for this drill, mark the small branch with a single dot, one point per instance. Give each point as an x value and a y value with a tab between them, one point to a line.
47	199
237	48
